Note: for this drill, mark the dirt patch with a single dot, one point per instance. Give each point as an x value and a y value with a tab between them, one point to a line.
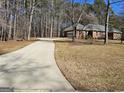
92	67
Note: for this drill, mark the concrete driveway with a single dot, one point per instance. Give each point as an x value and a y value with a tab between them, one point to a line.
32	68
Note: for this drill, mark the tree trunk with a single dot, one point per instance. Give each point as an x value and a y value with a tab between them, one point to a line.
107	23
10	28
14	34
31	19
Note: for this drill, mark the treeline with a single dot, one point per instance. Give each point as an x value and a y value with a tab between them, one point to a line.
22	19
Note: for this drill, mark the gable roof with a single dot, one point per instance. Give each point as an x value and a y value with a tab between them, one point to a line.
71	28
101	28
94	27
91	27
114	30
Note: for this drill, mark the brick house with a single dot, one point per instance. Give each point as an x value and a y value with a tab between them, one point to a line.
114	34
77	29
91	30
95	31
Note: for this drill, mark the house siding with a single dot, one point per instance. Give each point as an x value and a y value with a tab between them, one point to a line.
116	36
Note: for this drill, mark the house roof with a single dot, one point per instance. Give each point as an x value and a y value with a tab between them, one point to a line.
78	27
94	27
101	28
114	30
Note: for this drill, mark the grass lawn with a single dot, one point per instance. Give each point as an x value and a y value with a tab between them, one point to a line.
12	45
92	67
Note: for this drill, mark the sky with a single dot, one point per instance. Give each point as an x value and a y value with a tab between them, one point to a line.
116	7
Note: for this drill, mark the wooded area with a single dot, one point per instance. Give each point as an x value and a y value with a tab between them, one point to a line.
23	19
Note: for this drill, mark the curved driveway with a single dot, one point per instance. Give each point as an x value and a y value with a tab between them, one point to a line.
32	68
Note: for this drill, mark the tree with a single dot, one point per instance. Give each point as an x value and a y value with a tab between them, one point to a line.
32	6
100	10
